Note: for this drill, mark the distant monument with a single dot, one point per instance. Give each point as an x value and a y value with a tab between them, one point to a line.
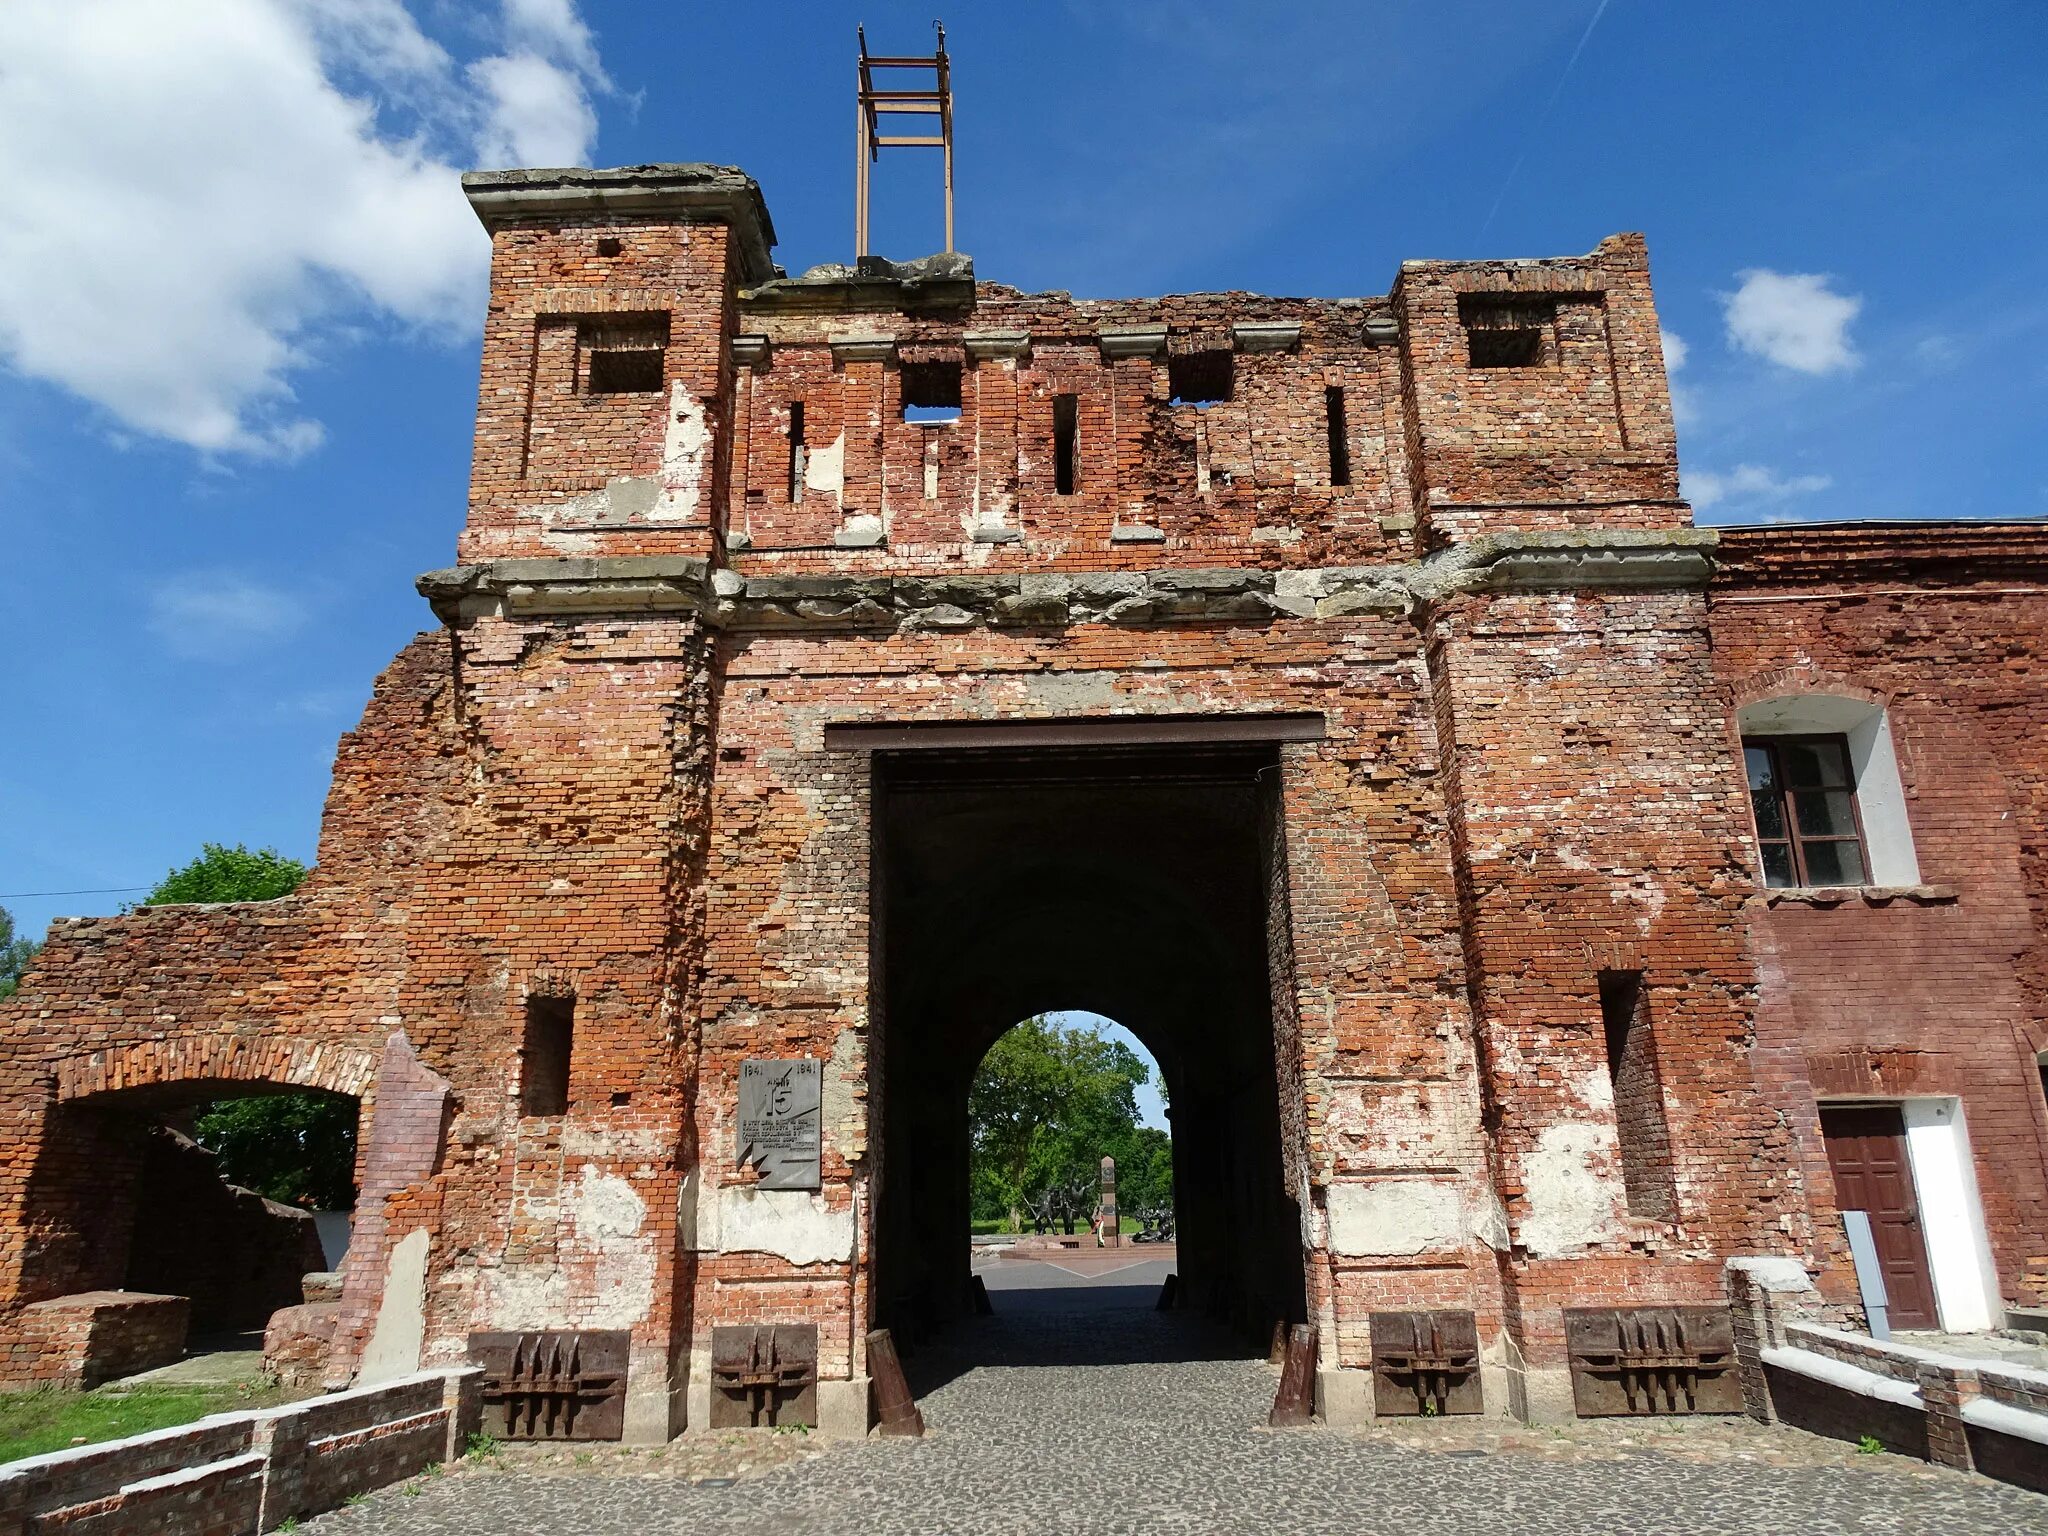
1110	1235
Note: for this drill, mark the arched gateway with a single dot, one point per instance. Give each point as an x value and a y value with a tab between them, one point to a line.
1323	688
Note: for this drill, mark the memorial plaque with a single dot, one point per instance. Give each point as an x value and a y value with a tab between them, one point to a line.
781	1105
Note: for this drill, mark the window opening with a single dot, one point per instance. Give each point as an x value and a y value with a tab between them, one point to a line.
1066	419
1340	436
625	370
1200	378
544	1055
1803	794
798	452
931	391
1639	1121
1505	333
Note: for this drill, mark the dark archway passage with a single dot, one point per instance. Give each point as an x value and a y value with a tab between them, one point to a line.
1131	882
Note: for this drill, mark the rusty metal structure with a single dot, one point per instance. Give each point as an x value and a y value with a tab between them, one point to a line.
565	1385
1425	1363
926	91
1642	1360
764	1376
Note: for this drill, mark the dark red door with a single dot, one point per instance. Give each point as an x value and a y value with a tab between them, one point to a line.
1867	1150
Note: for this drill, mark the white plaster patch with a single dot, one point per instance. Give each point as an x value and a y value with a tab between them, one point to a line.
1404	1125
792	1223
685	453
1571	1202
1393	1216
842	1121
825	469
401	1328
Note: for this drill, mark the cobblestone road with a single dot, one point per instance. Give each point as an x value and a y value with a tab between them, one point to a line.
1078	1409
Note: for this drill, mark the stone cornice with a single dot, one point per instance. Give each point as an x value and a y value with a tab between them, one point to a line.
717	193
727	599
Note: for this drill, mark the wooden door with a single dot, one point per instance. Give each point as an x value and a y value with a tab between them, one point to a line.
1867	1150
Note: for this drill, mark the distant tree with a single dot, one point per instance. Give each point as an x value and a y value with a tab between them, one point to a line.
1144	1171
295	1148
15	954
221	873
1047	1105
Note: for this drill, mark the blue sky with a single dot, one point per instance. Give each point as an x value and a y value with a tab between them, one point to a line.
239	294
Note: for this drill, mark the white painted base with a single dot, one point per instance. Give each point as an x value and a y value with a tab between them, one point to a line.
1344	1397
1541	1394
843	1408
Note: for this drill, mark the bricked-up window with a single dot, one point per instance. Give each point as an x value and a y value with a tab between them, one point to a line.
798	452
1340	436
1200	378
1505	333
931	391
544	1055
1639	1121
1803	793
1066	426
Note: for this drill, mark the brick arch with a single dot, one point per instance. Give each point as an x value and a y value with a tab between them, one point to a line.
269	1058
1795	682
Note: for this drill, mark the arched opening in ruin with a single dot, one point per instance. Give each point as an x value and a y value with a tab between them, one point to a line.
226	1191
1135	880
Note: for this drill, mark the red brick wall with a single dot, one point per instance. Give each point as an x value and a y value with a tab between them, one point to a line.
1943	991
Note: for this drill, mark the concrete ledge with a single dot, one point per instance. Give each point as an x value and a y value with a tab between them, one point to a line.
1344	1397
1838	1373
844	1408
690	191
727	599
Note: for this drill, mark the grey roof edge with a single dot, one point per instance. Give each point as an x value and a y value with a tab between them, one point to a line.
721	192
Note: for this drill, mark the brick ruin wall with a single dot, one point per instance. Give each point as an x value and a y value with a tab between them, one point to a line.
605	780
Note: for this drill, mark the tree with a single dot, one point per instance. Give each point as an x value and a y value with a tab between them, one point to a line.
221	873
15	954
1047	1105
297	1148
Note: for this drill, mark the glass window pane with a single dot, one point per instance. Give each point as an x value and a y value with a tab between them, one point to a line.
1770	813
1833	863
1777	864
1815	764
1761	773
1825	812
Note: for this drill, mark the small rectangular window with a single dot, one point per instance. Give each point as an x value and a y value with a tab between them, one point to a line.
544	1055
1802	792
1340	436
1066	420
931	391
1505	333
797	451
1200	378
1639	1121
625	371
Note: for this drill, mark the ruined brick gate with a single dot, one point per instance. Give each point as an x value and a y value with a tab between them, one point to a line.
839	669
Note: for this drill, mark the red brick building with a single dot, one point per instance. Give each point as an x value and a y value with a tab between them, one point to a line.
1336	692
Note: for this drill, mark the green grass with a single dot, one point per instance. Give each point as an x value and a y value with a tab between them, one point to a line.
49	1419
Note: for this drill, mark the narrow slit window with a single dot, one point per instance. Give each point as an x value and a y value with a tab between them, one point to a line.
544	1055
1639	1120
1066	424
1200	378
931	391
798	453
1340	436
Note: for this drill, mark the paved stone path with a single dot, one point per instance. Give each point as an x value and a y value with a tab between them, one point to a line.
1078	1409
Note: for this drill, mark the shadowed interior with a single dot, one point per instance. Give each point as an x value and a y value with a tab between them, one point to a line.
1130	882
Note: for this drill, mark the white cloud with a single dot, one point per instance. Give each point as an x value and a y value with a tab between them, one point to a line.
1675	350
1793	319
200	194
1747	484
212	615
